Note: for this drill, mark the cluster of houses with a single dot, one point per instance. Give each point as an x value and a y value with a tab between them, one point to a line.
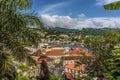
66	57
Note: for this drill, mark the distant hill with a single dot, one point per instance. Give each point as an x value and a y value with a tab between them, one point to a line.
84	31
97	31
65	29
88	31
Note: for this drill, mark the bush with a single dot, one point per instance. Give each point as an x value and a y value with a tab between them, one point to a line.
24	67
21	77
53	77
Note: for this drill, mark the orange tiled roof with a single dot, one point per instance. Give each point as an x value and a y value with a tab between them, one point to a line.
57	52
73	52
77	68
71	57
78	51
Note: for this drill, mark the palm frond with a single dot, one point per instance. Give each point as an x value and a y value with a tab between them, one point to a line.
30	61
15	27
28	35
14	22
112	6
15	4
7	70
12	44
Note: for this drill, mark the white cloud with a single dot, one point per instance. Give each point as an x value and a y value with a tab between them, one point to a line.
56	21
52	8
81	15
79	23
102	2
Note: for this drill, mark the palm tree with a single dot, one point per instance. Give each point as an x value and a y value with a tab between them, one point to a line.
112	6
14	28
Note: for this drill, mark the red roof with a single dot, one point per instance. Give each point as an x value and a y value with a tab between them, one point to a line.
78	52
58	52
74	52
71	57
77	68
69	75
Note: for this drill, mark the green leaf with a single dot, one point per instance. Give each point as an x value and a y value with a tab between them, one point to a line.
112	6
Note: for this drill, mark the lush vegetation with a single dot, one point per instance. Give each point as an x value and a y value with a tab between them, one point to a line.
97	31
20	76
113	65
105	62
14	31
53	77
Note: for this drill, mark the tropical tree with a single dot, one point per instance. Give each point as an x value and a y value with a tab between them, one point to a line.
112	6
113	65
53	77
86	60
102	49
94	64
113	72
15	26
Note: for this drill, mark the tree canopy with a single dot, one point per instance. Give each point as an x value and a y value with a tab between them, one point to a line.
14	28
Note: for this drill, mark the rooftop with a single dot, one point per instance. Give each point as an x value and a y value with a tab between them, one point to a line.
57	52
69	52
71	57
74	67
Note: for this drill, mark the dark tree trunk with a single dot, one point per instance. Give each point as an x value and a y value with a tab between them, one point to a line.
44	72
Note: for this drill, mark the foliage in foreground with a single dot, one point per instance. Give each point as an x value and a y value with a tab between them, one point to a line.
114	65
53	77
113	6
20	76
105	62
14	28
44	72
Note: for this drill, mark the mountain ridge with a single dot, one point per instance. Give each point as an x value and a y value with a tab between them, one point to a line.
65	29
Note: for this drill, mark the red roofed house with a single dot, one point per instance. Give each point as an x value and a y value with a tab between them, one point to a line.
69	62
77	71
55	54
69	59
78	52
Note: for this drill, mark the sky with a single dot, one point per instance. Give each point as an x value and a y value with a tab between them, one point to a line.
76	14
